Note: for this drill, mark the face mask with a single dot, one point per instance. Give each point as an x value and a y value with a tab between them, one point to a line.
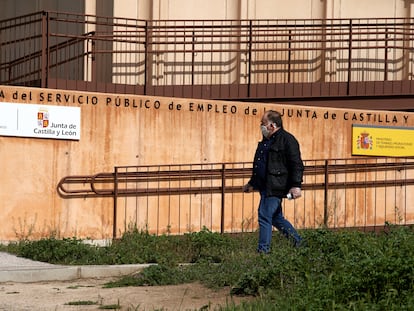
265	131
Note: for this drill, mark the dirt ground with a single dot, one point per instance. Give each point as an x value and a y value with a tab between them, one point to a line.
56	296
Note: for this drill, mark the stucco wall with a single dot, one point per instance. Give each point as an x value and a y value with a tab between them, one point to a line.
137	130
217	9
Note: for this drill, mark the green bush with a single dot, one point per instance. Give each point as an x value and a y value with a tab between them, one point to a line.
66	251
336	270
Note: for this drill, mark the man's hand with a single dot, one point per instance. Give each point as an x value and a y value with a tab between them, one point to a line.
247	188
296	192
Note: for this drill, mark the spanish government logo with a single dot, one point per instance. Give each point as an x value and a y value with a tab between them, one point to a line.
43	118
364	141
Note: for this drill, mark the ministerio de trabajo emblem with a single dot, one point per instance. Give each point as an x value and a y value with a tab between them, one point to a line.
43	118
364	141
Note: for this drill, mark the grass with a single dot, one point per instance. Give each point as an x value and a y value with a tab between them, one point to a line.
81	303
343	270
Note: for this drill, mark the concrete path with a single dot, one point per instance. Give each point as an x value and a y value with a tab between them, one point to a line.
17	269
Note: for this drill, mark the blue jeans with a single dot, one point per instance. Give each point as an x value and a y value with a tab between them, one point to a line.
271	214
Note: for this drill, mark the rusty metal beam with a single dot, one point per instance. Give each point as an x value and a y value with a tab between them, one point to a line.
93	185
263	67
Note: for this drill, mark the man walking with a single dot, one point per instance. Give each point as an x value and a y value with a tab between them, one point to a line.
277	173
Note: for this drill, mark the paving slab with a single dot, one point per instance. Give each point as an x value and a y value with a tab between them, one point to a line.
18	269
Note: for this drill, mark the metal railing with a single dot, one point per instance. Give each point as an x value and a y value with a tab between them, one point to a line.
338	193
235	59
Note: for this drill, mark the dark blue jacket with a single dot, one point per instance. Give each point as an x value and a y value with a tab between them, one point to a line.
277	164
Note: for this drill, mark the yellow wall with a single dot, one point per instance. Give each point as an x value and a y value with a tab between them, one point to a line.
140	130
260	9
263	9
217	9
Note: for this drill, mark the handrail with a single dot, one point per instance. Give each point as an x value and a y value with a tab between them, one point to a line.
37	55
53	48
227	178
92	185
248	53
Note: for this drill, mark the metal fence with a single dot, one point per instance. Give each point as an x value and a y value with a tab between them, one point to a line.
337	193
209	58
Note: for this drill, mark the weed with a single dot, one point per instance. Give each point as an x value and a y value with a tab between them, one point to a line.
116	306
25	229
337	270
81	303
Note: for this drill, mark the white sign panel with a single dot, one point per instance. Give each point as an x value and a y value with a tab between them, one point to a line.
40	121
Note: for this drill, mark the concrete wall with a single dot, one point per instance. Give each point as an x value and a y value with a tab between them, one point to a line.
261	9
217	9
13	8
121	66
136	130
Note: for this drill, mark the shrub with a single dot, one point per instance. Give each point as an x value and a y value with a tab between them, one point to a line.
339	270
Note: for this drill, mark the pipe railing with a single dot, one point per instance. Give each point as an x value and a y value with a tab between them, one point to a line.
209	58
332	188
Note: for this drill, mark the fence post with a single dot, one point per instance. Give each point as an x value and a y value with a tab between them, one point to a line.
249	74
349	58
94	78
223	186
192	58
115	203
325	195
289	55
386	56
146	58
45	50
